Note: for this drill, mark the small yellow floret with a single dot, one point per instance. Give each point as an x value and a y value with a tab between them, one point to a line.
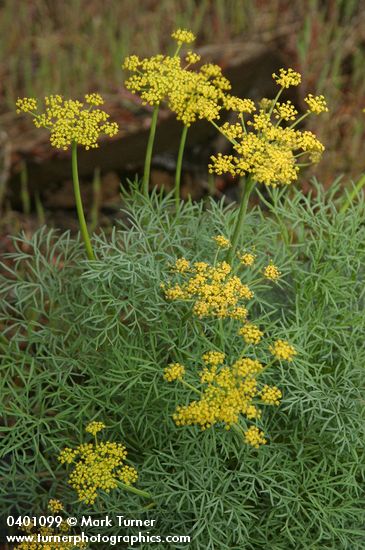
26	105
131	63
55	505
192	58
181	265
222	241
271	272
281	349
285	111
255	437
246	258
316	104
183	36
94	427
175	371
287	77
94	99
128	475
213	358
239	105
251	333
271	395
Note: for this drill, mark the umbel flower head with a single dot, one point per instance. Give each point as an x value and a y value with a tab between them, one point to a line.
70	120
227	392
190	94
97	466
268	146
214	291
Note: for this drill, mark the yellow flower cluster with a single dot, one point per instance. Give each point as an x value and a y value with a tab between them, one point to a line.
26	105
239	105
191	58
222	241
94	427
271	272
128	475
173	372
97	467
55	505
251	333
227	393
281	349
246	258
316	104
263	148
285	111
70	120
181	265
255	437
213	358
287	78
191	95
183	36
214	291
271	395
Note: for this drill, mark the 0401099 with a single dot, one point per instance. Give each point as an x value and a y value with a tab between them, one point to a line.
26	521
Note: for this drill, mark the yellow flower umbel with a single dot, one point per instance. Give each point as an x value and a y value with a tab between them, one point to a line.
251	333
228	392
255	437
183	36
247	258
99	467
264	149
271	395
173	372
72	123
55	505
213	290
282	350
70	120
222	241
316	104
94	427
271	272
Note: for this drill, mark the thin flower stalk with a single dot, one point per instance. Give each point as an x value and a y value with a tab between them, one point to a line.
79	206
247	190
149	150
179	166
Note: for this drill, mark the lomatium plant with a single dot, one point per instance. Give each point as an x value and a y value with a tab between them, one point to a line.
229	391
240	335
72	123
99	466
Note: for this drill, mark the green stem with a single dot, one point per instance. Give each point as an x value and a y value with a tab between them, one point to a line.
134	490
240	218
178	166
360	184
147	162
78	199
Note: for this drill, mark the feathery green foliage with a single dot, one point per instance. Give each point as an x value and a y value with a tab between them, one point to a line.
89	340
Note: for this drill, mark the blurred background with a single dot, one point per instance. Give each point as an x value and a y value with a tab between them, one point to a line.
77	46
